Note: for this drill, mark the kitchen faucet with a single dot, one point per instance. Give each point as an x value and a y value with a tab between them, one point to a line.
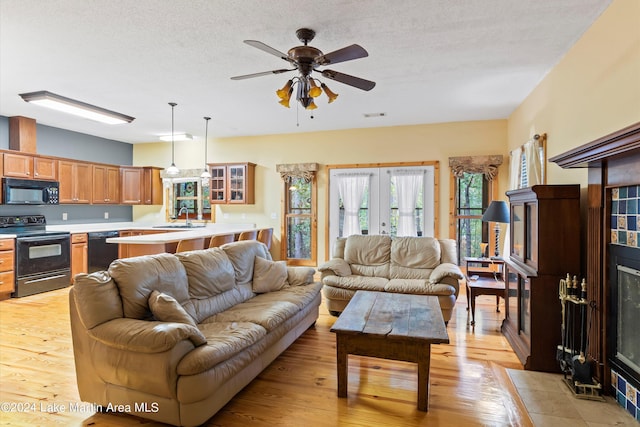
186	211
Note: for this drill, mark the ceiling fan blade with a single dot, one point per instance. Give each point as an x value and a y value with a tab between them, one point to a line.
268	49
349	80
264	73
345	54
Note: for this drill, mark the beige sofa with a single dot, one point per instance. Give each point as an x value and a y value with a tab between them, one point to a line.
173	338
410	265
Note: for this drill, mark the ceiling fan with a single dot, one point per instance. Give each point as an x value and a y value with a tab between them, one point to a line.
306	59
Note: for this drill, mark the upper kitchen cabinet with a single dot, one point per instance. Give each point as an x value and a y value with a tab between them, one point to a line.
106	184
152	186
131	185
232	183
75	181
26	166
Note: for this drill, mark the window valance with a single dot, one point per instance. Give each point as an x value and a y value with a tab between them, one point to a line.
291	171
487	165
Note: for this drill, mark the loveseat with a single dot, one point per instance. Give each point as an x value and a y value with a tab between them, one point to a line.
173	338
409	265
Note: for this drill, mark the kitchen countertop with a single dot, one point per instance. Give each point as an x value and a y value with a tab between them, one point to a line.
181	234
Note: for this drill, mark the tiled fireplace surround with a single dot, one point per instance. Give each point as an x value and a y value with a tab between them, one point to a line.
613	213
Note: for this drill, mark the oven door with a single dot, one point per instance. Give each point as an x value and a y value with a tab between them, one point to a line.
42	254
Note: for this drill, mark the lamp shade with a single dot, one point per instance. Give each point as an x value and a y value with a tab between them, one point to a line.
498	211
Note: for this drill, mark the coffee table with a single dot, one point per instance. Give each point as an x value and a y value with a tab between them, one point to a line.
390	326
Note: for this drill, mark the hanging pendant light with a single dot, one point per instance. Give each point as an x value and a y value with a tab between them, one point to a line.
205	176
173	169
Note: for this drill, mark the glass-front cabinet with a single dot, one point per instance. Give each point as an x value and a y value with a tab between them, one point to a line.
545	247
232	183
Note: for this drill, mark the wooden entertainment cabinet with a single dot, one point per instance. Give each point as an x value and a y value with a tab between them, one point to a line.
544	247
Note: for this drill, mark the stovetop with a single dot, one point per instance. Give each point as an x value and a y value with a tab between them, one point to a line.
26	226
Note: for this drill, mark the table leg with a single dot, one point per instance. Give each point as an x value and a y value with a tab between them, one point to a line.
473	308
497	304
341	353
424	361
468	296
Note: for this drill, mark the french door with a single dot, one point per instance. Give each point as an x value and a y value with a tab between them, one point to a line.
381	200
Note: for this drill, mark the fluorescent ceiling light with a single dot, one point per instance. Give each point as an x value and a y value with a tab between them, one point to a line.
177	137
78	108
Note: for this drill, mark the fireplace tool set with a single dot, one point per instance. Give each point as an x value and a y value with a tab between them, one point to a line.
575	339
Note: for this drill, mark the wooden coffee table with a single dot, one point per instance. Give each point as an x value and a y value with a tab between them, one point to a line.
390	326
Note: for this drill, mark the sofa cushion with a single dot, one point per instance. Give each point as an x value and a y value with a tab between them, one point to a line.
209	272
97	298
261	309
297	275
269	276
449	251
367	250
224	340
166	309
242	255
357	282
137	277
415	252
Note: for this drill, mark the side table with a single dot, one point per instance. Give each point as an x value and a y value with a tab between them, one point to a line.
484	277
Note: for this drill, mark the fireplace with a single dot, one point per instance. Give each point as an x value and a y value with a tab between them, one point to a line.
624	311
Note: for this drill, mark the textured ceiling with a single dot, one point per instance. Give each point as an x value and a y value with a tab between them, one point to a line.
433	60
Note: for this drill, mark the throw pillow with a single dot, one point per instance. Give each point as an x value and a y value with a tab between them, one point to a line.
269	276
165	308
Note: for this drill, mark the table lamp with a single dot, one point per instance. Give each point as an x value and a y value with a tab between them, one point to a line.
497	212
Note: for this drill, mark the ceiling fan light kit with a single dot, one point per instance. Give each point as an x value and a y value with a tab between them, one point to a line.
305	59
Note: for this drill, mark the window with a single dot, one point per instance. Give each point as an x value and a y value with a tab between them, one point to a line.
187	196
299	241
471	200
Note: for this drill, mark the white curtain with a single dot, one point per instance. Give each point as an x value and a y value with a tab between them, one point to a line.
351	188
533	164
408	184
514	169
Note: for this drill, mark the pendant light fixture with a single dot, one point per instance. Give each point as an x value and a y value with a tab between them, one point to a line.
205	176
172	170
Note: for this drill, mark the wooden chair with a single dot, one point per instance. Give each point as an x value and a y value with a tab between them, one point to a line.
264	236
221	240
190	244
248	235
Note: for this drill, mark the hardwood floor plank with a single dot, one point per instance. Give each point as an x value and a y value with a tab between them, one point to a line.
467	379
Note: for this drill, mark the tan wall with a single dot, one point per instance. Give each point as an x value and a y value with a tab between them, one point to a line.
593	91
378	145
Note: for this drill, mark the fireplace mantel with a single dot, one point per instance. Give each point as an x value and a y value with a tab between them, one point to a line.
613	161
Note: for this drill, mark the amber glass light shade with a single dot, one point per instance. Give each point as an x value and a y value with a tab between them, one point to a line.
314	91
332	96
312	105
285	91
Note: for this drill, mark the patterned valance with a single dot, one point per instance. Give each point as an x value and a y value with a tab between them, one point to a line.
305	171
487	165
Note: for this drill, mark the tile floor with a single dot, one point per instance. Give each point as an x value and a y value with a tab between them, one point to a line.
550	403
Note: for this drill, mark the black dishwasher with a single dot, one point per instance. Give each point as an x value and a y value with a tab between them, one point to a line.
101	253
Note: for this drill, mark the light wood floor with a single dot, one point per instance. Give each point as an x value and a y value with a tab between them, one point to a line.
469	384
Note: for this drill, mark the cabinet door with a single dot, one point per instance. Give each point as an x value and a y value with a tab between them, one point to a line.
152	187
18	165
66	178
99	184
131	185
79	260
83	181
218	184
236	184
113	185
45	168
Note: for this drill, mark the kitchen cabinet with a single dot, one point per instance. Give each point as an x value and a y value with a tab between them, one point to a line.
7	278
152	186
106	184
79	254
75	182
232	183
544	248
131	179
26	166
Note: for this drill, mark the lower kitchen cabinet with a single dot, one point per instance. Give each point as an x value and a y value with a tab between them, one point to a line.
79	257
7	275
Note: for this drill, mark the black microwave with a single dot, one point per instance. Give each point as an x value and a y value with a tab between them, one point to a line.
29	192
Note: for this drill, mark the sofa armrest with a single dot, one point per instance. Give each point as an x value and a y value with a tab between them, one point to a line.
143	336
445	270
337	266
298	275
